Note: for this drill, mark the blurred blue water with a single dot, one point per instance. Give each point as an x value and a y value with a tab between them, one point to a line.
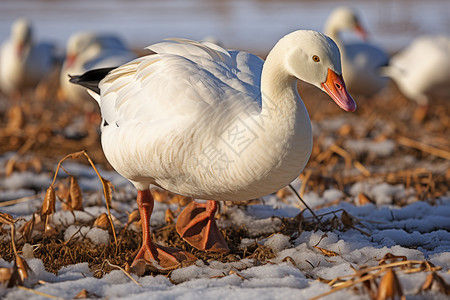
254	25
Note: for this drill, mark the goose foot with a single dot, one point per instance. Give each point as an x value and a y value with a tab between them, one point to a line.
197	226
166	257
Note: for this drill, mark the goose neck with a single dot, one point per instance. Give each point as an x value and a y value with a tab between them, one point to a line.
278	87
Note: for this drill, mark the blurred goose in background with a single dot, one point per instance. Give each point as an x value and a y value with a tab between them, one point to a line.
361	61
422	70
86	51
23	62
204	122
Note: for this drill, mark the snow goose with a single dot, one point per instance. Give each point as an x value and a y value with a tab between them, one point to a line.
361	61
85	51
204	122
24	63
422	70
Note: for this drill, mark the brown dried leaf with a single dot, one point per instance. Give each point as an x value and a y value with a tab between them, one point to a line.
185	201
62	191
127	267
48	206
133	217
160	195
102	222
5	275
346	219
76	198
181	200
15	278
138	267
363	199
22	267
27	229
50	230
169	217
433	277
443	286
21	166
428	282
345	130
299	218
283	193
389	286
84	294
108	188
63	194
15	118
36	163
9	168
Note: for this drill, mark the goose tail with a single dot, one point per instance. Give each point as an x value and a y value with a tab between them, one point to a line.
90	80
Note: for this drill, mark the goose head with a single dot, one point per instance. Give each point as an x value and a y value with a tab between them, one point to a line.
344	18
77	44
315	58
89	44
21	33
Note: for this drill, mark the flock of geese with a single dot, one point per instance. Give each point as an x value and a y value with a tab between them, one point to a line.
215	124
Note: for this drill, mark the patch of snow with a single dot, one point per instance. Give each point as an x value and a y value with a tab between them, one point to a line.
96	235
278	242
361	146
25	180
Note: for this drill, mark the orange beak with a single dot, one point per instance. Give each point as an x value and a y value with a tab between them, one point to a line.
334	86
362	32
19	49
70	59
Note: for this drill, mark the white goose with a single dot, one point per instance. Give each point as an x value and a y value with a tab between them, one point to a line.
212	124
361	61
86	51
24	63
422	70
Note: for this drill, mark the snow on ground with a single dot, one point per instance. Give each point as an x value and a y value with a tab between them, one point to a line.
419	230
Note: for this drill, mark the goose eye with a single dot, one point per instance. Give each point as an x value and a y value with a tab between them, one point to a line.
316	58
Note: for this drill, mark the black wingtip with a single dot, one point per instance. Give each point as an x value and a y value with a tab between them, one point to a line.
74	78
90	79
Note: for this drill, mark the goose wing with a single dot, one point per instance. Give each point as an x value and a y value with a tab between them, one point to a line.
182	79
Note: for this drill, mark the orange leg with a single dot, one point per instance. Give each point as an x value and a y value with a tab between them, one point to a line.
165	256
197	226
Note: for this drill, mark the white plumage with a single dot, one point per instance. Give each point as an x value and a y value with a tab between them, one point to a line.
361	61
201	121
23	62
422	70
191	118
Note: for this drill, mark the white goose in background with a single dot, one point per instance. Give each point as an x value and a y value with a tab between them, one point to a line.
422	70
23	62
204	122
86	51
361	61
